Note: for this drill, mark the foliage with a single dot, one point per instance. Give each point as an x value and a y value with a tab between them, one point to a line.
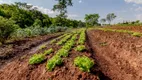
137	34
82	37
7	27
53	62
42	47
91	19
80	48
62	53
84	63
36	59
64	39
110	17
48	51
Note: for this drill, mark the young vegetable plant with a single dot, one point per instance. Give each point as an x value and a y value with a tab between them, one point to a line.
37	58
84	63
49	51
42	47
82	38
53	62
80	48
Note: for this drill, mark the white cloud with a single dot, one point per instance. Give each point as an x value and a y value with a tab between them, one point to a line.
45	10
4	1
134	1
72	16
138	9
138	17
80	1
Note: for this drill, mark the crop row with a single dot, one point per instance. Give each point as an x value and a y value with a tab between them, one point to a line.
137	34
38	58
62	41
54	40
63	52
82	38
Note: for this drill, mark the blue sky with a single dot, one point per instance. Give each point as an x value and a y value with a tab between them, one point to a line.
129	10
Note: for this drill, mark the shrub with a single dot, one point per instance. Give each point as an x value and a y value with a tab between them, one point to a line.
7	27
48	51
84	63
80	48
36	59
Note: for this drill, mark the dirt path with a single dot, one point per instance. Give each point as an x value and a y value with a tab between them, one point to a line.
118	55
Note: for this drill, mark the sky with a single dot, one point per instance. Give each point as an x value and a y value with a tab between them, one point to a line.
126	10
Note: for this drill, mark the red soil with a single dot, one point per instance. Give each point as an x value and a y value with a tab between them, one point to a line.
19	69
120	58
132	28
11	51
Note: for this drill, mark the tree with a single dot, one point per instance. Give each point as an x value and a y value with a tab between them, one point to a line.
91	19
7	27
110	17
103	20
61	7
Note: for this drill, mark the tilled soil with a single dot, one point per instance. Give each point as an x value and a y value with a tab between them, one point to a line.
131	28
20	69
117	54
19	48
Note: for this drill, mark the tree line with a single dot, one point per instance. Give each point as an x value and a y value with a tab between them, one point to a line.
21	20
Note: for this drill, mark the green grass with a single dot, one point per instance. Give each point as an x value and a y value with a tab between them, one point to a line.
84	63
36	59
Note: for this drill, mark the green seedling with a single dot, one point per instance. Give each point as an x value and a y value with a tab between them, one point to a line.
36	59
84	63
80	48
46	52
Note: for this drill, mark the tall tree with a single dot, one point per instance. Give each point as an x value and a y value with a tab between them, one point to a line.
91	19
110	17
103	21
61	7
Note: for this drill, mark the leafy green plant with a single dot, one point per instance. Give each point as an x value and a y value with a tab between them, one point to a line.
48	51
137	34
84	63
103	43
36	59
64	39
80	48
42	47
62	53
53	41
82	37
53	62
